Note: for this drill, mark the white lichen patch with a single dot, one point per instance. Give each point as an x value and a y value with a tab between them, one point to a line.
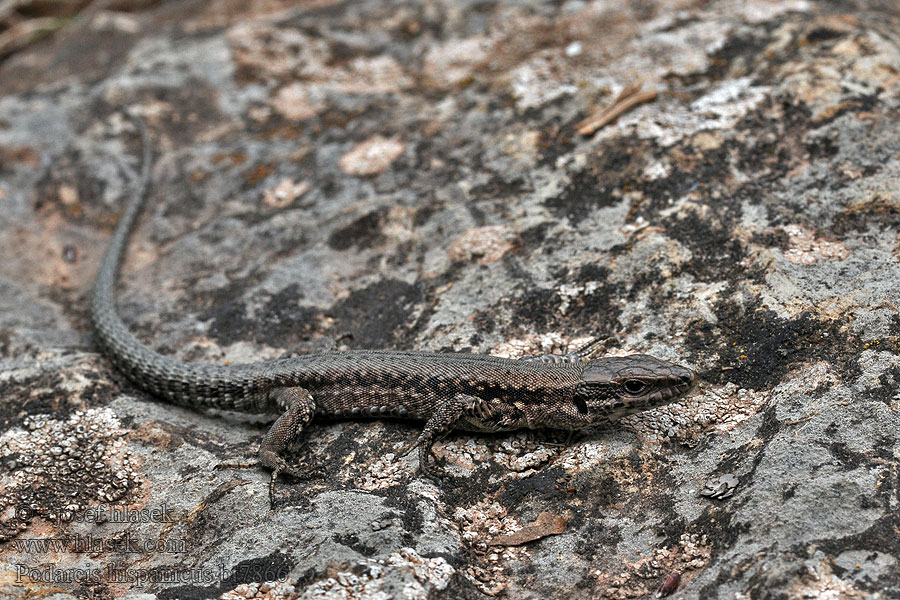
434	571
275	52
658	169
49	457
720	109
399	226
455	61
806	249
478	525
269	590
285	193
272	54
297	102
378	579
372	156
484	521
367	75
569	293
821	583
537	345
484	244
521	457
463	455
582	457
719	409
537	82
385	472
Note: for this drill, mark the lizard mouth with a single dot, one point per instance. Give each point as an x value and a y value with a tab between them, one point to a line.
680	382
683	381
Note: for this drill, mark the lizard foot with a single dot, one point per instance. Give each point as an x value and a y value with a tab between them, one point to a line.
431	469
277	466
426	467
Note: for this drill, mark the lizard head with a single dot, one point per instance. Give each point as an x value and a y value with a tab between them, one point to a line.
616	386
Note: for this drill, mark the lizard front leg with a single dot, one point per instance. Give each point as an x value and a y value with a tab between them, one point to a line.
445	417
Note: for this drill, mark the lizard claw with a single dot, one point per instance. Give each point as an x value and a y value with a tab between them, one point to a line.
429	468
277	465
407	449
426	467
430	471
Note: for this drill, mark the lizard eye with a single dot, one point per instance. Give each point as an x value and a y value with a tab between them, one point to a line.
634	386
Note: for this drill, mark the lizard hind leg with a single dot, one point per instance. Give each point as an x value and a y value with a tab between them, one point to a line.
299	408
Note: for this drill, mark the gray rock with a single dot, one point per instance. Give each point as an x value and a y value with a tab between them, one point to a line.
390	175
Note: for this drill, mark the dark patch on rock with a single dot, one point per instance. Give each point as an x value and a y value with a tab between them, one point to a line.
776	238
822	34
877	212
737	55
424	213
557	139
886	391
592	272
537	490
68	170
535	309
266	568
821	147
89	55
378	315
846	458
593	187
352	541
593	536
534	237
595	312
280	322
408	508
864	103
362	233
761	348
485	321
197	107
881	534
716	253
38	394
499	189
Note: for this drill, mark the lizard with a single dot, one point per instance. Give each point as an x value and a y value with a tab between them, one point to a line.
447	391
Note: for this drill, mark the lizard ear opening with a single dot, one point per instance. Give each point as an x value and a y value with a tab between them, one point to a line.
580	404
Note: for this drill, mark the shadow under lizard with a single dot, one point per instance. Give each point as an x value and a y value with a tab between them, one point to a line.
445	390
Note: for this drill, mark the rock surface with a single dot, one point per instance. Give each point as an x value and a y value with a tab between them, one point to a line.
399	175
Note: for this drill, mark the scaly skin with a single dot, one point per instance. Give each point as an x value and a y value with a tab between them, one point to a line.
447	391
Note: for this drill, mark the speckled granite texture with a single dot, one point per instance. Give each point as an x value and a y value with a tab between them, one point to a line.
408	175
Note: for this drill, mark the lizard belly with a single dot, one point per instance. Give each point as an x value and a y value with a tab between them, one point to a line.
374	401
